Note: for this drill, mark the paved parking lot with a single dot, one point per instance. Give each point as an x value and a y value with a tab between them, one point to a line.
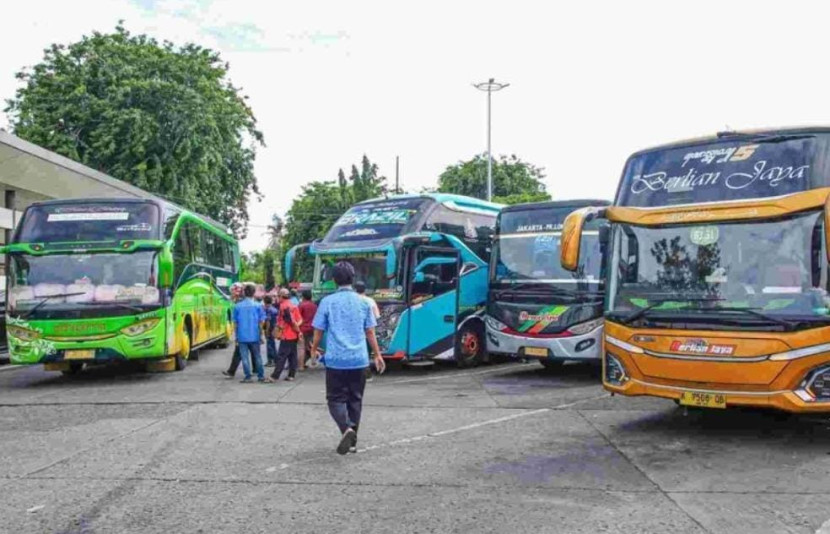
504	448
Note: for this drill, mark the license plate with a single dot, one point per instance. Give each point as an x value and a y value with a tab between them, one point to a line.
703	400
536	351
79	355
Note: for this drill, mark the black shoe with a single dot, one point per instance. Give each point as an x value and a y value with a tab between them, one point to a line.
227	374
348	441
353	448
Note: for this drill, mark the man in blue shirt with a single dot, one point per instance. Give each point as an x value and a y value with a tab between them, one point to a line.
248	318
348	323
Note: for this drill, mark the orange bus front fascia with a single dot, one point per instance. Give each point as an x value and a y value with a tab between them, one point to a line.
778	393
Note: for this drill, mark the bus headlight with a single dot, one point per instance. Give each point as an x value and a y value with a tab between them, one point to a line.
495	324
139	328
614	373
817	383
23	334
584	328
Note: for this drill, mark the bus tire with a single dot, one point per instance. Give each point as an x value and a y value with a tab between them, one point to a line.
469	345
184	351
74	369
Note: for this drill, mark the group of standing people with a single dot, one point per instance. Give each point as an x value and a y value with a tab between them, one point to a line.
347	318
281	326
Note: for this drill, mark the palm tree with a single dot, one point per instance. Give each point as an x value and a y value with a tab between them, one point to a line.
274	232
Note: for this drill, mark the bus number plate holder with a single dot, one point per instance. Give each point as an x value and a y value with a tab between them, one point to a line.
703	400
79	355
536	351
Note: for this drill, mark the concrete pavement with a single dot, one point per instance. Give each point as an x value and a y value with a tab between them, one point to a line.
506	448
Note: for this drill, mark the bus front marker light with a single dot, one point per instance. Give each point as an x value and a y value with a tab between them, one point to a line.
614	373
800	353
23	334
139	328
817	384
584	345
584	328
623	345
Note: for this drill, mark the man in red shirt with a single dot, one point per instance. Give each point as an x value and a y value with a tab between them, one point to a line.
307	312
288	328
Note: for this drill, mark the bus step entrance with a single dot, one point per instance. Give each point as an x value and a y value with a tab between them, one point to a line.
421	363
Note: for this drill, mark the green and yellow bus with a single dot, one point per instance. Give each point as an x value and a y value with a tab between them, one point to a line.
99	280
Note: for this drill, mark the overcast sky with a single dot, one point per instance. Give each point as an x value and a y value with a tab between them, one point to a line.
591	82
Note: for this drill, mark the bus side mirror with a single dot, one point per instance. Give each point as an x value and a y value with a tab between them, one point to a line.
419	277
4	249
166	267
572	236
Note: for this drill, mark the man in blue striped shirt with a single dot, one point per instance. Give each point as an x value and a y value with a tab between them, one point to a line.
348	323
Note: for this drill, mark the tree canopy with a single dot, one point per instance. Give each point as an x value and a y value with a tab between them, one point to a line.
161	117
514	180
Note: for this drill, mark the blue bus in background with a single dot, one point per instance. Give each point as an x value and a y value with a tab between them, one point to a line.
424	259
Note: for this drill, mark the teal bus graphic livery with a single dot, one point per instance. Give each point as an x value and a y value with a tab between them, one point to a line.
424	260
535	308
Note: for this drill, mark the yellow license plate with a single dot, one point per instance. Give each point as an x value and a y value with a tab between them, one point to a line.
536	351
79	355
703	400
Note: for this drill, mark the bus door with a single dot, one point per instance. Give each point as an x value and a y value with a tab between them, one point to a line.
432	295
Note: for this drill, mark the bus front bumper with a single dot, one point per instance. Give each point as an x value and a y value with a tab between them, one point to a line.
117	347
784	400
586	347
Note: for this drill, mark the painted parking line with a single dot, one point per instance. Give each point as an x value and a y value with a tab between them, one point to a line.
4	368
442	433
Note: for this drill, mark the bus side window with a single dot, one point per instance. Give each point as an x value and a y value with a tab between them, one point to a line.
170	217
181	254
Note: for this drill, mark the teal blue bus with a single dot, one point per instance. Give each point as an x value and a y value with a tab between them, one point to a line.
424	259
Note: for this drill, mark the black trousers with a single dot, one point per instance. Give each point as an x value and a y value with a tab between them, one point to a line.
287	351
234	361
344	393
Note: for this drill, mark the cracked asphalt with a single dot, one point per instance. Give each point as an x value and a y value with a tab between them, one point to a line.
502	448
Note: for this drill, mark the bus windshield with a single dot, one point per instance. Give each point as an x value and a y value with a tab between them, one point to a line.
82	285
738	167
776	267
369	269
527	251
93	221
377	220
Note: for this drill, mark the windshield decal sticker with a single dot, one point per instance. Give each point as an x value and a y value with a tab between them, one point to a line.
703	236
701	346
396	216
360	232
89	216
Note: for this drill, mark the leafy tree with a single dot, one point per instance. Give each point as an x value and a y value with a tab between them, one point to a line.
161	117
522	198
321	203
511	177
252	270
268	263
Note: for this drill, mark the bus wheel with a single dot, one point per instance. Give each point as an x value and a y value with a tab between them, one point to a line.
469	345
74	369
551	365
184	352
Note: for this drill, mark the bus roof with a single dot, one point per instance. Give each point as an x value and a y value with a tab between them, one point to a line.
550	204
130	200
735	135
459	200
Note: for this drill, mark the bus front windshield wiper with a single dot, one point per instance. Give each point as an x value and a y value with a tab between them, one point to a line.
130	307
46	299
550	288
763	138
633	316
790	325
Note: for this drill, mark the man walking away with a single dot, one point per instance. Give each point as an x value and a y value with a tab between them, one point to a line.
288	326
248	319
270	330
348	322
307	312
360	289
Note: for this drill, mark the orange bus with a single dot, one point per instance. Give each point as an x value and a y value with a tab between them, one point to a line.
717	290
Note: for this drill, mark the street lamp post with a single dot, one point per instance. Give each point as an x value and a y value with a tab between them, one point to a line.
490	86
